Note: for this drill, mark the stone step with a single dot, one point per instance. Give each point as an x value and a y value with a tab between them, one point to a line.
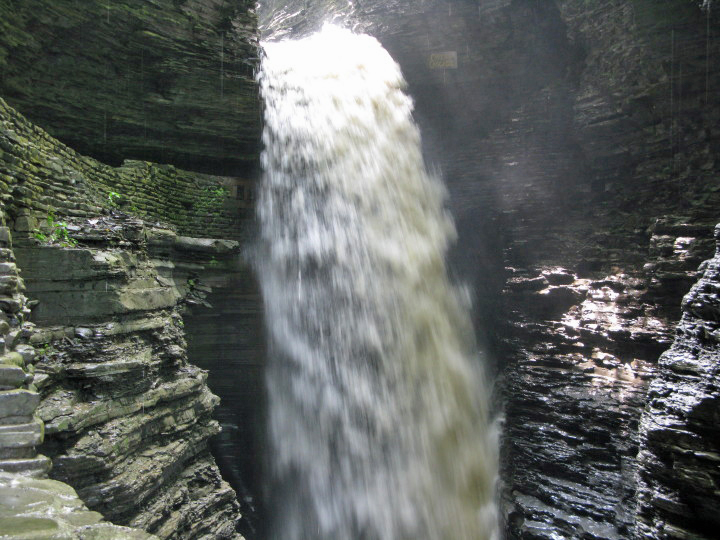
22	435
36	467
11	376
13	359
18	403
26	452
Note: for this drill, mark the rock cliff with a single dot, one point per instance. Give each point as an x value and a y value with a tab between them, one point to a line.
31	506
164	81
127	418
679	442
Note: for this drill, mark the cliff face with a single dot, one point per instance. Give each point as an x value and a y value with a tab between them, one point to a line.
164	81
632	238
31	506
127	418
679	442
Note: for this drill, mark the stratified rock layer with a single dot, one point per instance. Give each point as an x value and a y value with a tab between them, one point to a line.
161	80
679	458
31	506
127	418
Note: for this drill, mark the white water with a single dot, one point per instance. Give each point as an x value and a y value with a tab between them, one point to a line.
377	411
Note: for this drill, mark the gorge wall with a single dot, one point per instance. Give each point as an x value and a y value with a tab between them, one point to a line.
164	81
579	143
121	263
127	418
679	450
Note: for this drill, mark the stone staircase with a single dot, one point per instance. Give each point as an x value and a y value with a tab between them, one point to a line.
32	507
20	430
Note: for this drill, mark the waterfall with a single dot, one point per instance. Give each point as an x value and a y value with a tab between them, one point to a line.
377	413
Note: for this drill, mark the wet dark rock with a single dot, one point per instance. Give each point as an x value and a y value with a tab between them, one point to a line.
127	418
678	482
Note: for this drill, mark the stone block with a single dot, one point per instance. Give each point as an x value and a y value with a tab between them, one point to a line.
27	352
23	452
22	435
35	467
11	376
29	528
18	403
26	223
13	359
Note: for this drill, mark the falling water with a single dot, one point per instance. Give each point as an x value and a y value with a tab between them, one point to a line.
377	409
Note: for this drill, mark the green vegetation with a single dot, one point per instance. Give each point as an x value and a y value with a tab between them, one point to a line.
46	350
55	233
114	198
211	199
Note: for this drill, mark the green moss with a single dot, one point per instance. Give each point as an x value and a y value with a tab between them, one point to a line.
42	174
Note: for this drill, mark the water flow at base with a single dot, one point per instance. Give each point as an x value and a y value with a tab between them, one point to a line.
376	404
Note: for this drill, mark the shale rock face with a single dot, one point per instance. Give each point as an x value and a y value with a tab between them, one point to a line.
31	506
127	418
161	80
679	481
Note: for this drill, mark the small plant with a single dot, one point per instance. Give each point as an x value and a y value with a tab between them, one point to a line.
211	199
213	263
42	237
46	350
114	198
57	233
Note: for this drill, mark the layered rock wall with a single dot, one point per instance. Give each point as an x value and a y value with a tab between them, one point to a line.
679	439
586	346
31	506
127	418
43	178
161	80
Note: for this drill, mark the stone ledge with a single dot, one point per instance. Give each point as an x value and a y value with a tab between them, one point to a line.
41	509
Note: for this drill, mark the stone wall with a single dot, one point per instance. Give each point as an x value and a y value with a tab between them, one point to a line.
43	181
